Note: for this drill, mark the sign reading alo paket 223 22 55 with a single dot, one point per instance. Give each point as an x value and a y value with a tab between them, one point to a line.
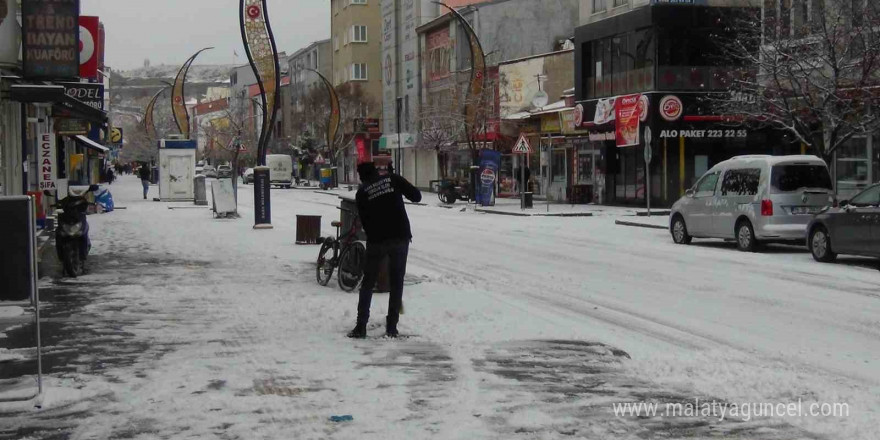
50	39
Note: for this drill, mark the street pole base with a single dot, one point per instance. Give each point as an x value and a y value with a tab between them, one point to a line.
264	226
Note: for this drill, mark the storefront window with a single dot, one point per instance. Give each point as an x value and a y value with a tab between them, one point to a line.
853	162
585	167
559	166
621	64
876	147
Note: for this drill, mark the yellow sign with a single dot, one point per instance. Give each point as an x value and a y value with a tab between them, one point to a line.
116	135
550	123
75	161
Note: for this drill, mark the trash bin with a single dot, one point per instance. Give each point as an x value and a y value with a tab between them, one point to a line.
201	194
527	200
346	216
308	229
327	177
347	213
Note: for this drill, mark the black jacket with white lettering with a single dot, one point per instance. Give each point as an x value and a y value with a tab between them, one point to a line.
380	207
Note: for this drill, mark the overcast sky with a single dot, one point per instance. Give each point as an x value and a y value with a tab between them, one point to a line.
170	31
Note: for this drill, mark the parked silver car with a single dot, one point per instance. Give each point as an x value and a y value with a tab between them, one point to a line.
851	228
753	200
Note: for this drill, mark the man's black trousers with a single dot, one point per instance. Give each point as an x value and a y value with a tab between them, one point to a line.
397	251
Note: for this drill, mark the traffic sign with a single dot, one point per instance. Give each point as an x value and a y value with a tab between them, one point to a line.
320	160
649	152
522	145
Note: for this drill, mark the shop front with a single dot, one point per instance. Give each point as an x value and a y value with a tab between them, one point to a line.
856	165
685	138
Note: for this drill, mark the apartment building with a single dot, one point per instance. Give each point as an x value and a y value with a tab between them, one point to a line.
356	31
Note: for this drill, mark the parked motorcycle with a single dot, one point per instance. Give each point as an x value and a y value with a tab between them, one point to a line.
72	231
450	191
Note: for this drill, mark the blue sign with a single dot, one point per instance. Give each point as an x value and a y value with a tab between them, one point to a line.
490	161
177	144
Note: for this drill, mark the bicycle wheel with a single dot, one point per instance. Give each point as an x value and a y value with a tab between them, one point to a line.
325	266
351	266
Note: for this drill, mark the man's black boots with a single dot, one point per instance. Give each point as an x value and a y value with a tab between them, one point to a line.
359	332
391	327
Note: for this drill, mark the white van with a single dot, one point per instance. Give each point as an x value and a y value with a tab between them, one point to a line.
280	170
754	200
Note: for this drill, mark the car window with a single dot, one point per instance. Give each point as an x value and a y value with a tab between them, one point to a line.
741	182
706	186
868	197
793	177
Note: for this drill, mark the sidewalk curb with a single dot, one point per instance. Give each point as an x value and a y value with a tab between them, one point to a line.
638	225
565	214
512	214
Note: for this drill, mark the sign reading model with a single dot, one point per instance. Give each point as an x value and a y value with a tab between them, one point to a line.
50	39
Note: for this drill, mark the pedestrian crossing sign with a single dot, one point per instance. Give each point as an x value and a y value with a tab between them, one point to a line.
522	145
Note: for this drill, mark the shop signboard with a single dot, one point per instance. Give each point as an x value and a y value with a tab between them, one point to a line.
10	34
50	39
490	161
627	112
570	123
91	94
550	123
70	126
89	38
47	161
367	125
361	146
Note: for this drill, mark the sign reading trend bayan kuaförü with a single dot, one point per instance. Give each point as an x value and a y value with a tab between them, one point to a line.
50	39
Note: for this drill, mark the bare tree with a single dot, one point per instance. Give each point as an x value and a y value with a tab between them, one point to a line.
810	72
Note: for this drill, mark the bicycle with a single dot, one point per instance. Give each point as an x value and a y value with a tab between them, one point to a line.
348	254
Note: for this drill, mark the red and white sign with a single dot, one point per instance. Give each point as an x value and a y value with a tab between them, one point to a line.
46	159
89	37
671	108
627	112
320	160
578	115
522	145
644	105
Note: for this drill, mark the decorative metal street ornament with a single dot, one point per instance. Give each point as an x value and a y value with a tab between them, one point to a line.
259	45
178	97
333	126
478	74
149	121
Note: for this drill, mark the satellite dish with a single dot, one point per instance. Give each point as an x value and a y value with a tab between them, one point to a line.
541	99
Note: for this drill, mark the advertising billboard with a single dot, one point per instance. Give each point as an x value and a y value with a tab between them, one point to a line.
438	52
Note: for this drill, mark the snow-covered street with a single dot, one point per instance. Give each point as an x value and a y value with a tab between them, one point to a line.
523	327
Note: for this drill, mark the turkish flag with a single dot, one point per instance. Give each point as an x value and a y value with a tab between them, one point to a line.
88	47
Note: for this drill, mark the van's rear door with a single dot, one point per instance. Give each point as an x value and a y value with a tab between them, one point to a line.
800	188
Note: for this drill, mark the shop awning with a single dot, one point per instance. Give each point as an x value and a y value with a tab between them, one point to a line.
88	143
517	116
555	107
62	105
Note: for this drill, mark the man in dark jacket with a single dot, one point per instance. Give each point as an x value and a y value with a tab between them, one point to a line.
383	216
145	173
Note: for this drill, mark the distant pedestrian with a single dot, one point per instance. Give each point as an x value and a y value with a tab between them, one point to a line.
145	173
383	216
